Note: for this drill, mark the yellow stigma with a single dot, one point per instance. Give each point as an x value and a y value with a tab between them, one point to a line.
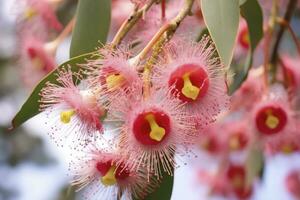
237	181
65	116
37	63
189	90
287	149
234	143
29	13
114	81
157	133
246	38
109	178
272	121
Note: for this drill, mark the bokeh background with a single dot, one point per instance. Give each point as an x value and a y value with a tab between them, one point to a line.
33	168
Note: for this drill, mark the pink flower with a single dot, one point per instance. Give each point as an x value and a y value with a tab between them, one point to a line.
217	183
250	91
35	60
32	12
152	129
76	108
236	175
292	73
229	181
273	117
107	175
210	141
237	135
288	144
112	74
192	74
243	35
292	183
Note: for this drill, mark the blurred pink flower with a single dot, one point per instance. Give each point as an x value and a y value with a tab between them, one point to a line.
77	109
36	60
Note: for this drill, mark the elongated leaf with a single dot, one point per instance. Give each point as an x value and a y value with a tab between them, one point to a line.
222	20
253	15
92	26
164	191
31	107
242	2
254	164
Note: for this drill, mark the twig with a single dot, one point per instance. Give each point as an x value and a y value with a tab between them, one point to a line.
157	42
281	21
130	22
268	40
287	17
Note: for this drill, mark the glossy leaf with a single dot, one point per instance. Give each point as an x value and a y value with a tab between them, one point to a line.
222	20
254	164
252	13
242	2
31	107
91	27
164	191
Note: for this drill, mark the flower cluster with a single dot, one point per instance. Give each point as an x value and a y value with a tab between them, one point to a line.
37	23
109	106
133	108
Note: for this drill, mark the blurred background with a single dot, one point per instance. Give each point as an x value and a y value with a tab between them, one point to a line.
33	168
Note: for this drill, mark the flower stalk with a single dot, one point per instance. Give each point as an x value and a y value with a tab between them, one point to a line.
130	22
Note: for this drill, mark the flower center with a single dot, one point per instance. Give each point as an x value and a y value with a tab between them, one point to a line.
29	13
157	133
237	181
271	119
237	141
110	173
65	116
114	81
236	175
244	38
189	90
209	144
109	178
36	61
151	128
190	82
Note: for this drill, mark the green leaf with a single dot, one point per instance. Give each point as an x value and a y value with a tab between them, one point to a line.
91	27
254	164
242	2
253	15
31	107
164	191
222	20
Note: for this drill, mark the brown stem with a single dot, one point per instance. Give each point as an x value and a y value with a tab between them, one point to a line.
268	40
287	17
130	22
156	44
281	21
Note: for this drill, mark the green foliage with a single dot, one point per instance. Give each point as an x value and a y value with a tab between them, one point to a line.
222	20
92	26
254	164
31	107
252	13
164	191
